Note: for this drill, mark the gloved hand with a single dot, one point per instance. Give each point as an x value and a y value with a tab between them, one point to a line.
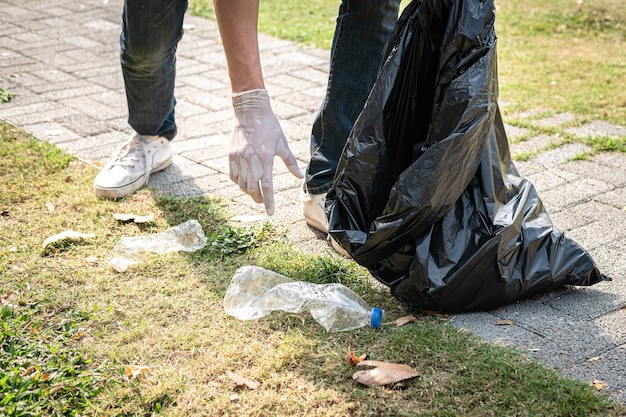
257	138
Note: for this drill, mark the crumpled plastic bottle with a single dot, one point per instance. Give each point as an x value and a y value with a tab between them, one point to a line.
255	292
187	237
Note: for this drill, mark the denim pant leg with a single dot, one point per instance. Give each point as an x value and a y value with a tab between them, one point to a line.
361	35
151	30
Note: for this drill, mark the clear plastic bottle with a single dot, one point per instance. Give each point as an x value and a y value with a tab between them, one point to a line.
187	237
255	292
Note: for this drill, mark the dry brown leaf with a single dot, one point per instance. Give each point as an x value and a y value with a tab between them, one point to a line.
406	319
598	384
435	313
504	323
131	217
240	381
355	359
67	235
383	373
136	371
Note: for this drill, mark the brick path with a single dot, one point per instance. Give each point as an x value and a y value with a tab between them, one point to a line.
62	62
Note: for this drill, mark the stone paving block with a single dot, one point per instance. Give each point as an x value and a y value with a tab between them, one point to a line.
201	82
97	148
573	192
23	97
534	144
598	128
539	318
55	91
215	122
485	325
308	103
566	220
592	169
514	132
611	260
549	179
588	303
615	198
53	133
120	123
216	101
51	114
27	79
77	88
557	120
84	125
598	233
113	81
82	42
611	159
94	108
210	144
11	59
561	154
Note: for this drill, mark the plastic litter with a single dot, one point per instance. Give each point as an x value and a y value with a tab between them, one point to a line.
187	237
426	195
255	292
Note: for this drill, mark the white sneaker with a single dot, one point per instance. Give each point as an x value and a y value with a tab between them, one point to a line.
132	164
313	208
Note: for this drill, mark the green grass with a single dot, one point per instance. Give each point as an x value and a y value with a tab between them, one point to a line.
71	325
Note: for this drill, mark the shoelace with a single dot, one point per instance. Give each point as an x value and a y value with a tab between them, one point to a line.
128	155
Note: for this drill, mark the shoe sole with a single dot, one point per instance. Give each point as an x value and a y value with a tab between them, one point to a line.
340	250
316	225
120	192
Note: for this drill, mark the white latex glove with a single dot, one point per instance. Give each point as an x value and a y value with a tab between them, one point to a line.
257	138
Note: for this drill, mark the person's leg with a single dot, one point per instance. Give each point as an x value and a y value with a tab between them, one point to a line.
151	30
361	35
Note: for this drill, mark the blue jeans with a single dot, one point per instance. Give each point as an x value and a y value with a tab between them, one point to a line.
151	30
361	35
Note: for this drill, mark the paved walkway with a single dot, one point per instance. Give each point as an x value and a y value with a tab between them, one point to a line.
62	62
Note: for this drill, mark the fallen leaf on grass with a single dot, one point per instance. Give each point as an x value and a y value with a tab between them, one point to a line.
598	384
67	235
383	373
131	217
240	381
136	371
504	323
91	259
435	313
355	359
404	320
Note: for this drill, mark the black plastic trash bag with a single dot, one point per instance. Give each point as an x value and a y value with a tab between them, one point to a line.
426	196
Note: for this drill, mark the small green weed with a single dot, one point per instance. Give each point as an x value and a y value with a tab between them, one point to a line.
230	240
5	96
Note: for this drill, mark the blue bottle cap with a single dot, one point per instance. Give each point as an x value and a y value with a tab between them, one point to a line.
377	317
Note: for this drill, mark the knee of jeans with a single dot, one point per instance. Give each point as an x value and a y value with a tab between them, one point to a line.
146	59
